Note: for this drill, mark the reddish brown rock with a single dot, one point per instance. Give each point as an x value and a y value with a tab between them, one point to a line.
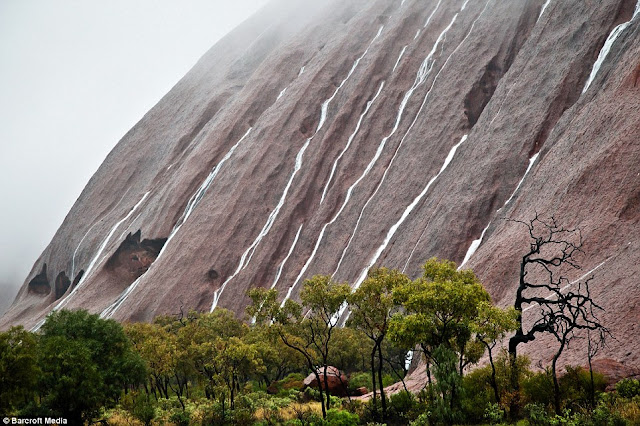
337	383
361	391
242	170
613	371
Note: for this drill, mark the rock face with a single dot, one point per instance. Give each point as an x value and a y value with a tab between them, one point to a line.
330	136
613	371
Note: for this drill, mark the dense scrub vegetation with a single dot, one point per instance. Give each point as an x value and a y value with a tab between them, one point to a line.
217	369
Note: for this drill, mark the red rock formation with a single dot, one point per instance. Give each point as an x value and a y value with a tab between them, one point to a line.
613	371
315	140
337	382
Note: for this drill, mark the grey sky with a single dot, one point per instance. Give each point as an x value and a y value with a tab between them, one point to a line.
74	77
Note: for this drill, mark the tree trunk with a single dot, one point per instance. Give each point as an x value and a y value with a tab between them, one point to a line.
494	383
382	396
514	406
592	391
326	386
373	381
556	385
322	400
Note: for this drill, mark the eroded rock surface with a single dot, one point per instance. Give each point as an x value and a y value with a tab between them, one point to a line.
337	135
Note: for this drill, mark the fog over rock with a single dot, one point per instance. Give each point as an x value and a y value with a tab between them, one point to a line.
331	137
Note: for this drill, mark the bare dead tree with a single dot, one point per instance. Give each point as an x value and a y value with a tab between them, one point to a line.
552	251
576	311
595	342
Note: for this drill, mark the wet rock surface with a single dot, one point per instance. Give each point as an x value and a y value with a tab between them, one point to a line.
321	140
337	383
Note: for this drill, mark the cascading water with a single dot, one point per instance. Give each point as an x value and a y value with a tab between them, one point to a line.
191	206
608	44
248	253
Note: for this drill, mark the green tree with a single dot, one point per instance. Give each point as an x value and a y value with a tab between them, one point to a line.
447	408
86	362
201	338
307	328
492	325
439	310
154	344
18	369
372	307
278	359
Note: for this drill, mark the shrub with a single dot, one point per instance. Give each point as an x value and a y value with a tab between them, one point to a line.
402	405
337	417
602	415
494	414
575	386
180	418
143	409
628	388
478	394
422	420
538	389
360	380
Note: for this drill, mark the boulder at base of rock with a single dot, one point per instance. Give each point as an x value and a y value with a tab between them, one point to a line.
613	371
360	391
337	382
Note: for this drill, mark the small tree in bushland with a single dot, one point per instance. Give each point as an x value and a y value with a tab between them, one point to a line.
564	307
310	334
371	309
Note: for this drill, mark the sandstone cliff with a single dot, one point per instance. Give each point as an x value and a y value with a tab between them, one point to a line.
345	134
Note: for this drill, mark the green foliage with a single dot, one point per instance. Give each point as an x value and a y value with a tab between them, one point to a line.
539	415
403	406
214	369
446	407
440	309
478	396
337	417
422	420
180	418
86	362
494	414
538	389
628	388
575	386
143	408
18	369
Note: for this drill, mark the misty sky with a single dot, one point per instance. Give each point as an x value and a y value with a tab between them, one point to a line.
74	77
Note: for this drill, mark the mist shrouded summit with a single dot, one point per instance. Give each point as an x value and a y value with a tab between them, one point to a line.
75	77
332	137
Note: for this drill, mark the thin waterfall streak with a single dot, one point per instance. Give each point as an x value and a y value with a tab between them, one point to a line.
349	141
75	252
92	226
423	72
432	13
404	49
475	244
191	206
93	263
606	48
544	7
284	261
532	161
501	104
248	254
392	231
440	38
